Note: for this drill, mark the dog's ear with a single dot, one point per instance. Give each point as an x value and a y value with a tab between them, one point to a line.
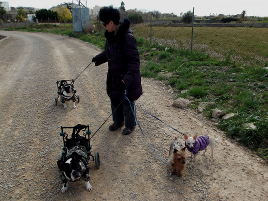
195	137
60	164
185	137
183	149
175	151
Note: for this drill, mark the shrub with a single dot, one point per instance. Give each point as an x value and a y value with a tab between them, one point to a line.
135	18
228	19
44	14
187	17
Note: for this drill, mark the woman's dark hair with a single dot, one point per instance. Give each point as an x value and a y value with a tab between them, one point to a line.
108	14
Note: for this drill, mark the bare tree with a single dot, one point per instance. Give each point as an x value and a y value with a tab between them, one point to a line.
122	7
122	10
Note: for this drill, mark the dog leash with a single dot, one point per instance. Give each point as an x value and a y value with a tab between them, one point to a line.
130	104
106	120
142	131
83	71
149	113
161	121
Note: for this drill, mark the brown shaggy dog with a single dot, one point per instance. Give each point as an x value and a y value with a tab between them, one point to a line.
177	157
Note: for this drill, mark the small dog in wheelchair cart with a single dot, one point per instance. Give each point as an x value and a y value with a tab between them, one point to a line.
73	162
66	92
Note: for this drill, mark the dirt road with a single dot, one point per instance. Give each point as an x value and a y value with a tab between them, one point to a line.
30	142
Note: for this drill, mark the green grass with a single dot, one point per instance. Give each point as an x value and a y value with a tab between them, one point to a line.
240	89
235	87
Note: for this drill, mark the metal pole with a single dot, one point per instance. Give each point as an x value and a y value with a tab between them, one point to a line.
151	31
192	31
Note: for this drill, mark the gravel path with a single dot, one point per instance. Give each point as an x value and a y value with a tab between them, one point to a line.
30	65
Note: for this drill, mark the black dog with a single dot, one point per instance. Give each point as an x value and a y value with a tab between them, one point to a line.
75	165
74	169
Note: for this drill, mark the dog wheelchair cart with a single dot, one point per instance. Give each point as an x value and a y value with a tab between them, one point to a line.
66	91
79	144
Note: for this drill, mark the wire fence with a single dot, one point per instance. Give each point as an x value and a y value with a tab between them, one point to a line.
243	42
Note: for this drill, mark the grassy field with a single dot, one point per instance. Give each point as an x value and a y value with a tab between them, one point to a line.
248	46
235	87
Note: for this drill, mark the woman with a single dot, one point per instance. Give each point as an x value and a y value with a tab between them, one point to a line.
123	68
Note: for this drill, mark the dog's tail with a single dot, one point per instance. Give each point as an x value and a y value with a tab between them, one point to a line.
216	139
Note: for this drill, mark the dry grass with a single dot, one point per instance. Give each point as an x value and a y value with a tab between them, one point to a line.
244	45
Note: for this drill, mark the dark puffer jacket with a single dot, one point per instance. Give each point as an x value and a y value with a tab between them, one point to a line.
123	63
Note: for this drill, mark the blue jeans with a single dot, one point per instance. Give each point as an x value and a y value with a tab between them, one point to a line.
122	112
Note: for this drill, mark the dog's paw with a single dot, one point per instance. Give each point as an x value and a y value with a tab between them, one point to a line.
88	186
64	189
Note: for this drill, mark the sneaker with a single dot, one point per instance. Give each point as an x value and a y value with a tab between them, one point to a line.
127	131
115	126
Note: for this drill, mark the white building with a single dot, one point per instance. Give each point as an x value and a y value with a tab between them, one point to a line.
30	17
96	10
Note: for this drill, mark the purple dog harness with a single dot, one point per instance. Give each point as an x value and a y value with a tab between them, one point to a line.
200	144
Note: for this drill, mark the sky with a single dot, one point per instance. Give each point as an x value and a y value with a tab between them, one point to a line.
201	8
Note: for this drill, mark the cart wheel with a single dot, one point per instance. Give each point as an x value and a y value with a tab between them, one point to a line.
97	160
78	99
56	101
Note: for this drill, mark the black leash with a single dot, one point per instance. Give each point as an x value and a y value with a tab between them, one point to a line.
110	114
83	71
106	119
131	103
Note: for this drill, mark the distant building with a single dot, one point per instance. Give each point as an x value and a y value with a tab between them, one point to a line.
96	10
28	8
5	4
30	17
11	13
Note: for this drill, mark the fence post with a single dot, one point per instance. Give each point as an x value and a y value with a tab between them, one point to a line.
151	31
192	31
